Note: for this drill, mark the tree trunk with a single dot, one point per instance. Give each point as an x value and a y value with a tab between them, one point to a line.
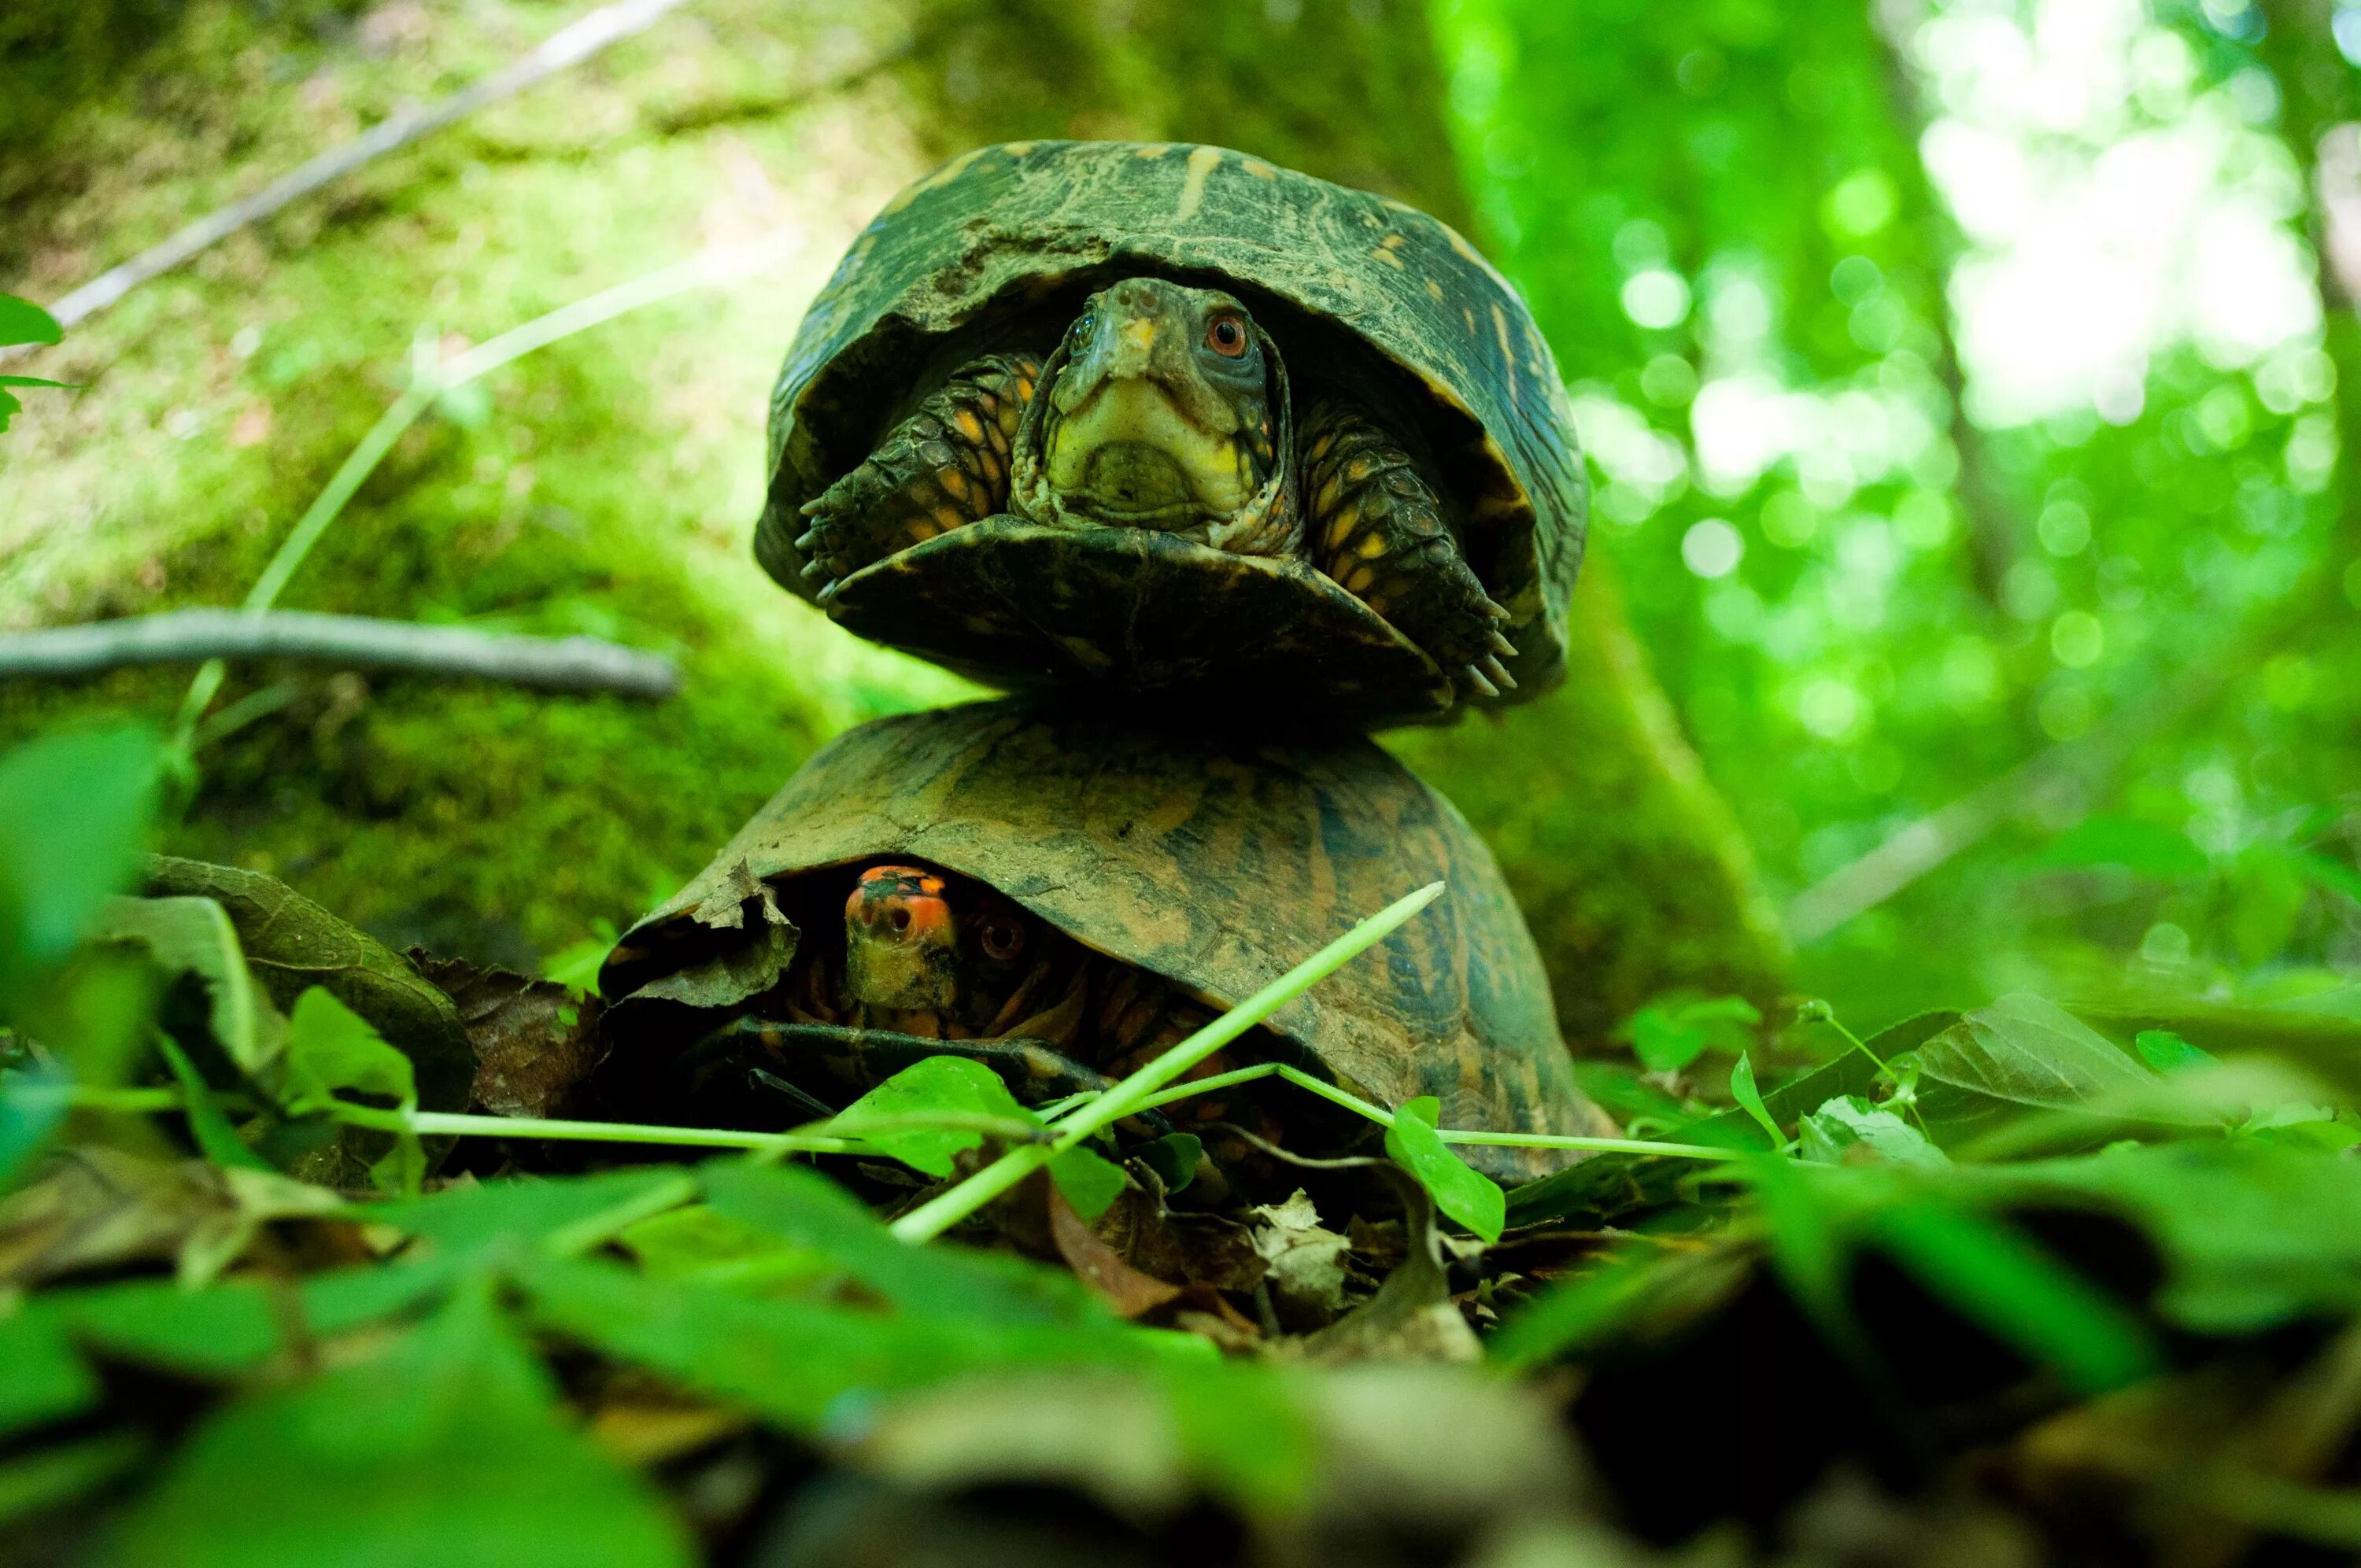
1633	873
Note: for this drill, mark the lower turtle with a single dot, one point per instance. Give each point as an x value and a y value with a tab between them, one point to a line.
1062	896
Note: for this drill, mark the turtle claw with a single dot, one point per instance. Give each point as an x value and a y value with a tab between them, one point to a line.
1477	682
1503	647
1499	672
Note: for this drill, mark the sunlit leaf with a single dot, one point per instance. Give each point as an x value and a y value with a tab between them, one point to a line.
1750	1099
2026	1049
2167	1052
449	1443
195	936
21	321
937	1084
1831	1134
2142	847
1090	1182
805	1209
1463	1194
75	812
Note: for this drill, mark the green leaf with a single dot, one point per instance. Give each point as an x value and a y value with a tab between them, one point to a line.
50	1476
75	811
2018	1292
1090	1183
788	1358
44	1378
31	1106
11	405
1174	1159
330	1048
575	966
211	1130
2167	1052
1670	1033
193	935
1463	1194
21	321
507	1216
2143	847
1808	1250
2251	1234
803	1206
1615	1183
1750	1099
293	944
934	1085
226	1330
38	381
448	1447
2029	1051
1850	1123
699	1241
1661	1043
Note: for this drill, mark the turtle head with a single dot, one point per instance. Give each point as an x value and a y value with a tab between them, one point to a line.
1162	415
915	942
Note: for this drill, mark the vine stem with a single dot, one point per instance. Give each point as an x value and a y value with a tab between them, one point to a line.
940	1213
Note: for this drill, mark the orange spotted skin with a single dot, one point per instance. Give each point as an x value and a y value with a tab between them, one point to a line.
945	466
1376	527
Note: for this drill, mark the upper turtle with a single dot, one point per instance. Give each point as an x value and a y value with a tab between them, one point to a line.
1171	418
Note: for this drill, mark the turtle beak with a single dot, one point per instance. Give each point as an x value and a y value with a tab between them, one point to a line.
901	945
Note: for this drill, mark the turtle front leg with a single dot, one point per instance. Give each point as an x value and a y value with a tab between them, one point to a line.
1376	527
943	467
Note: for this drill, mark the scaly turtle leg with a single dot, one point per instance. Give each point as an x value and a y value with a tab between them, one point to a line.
1376	527
943	467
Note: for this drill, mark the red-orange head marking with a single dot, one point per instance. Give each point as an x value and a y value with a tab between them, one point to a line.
902	900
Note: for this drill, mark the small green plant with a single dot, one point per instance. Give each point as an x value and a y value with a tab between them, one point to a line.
22	322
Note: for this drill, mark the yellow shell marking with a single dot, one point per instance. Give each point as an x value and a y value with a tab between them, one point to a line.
1020	148
1201	164
1434	290
1508	349
1258	168
1380	253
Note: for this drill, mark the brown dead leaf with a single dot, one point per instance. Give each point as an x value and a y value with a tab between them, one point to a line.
1130	1292
536	1044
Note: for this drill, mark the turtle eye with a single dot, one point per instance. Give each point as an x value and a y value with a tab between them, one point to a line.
1003	937
1227	335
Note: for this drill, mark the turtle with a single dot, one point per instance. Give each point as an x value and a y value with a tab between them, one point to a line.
1061	893
1174	419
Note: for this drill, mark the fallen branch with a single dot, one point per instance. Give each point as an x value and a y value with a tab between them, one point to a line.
569	46
566	663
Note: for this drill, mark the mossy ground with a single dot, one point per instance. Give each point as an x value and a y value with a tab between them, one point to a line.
608	484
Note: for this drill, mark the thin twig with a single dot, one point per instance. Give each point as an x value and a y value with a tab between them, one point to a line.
569	46
554	664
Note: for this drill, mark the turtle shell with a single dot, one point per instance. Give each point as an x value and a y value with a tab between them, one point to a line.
1354	288
1218	861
